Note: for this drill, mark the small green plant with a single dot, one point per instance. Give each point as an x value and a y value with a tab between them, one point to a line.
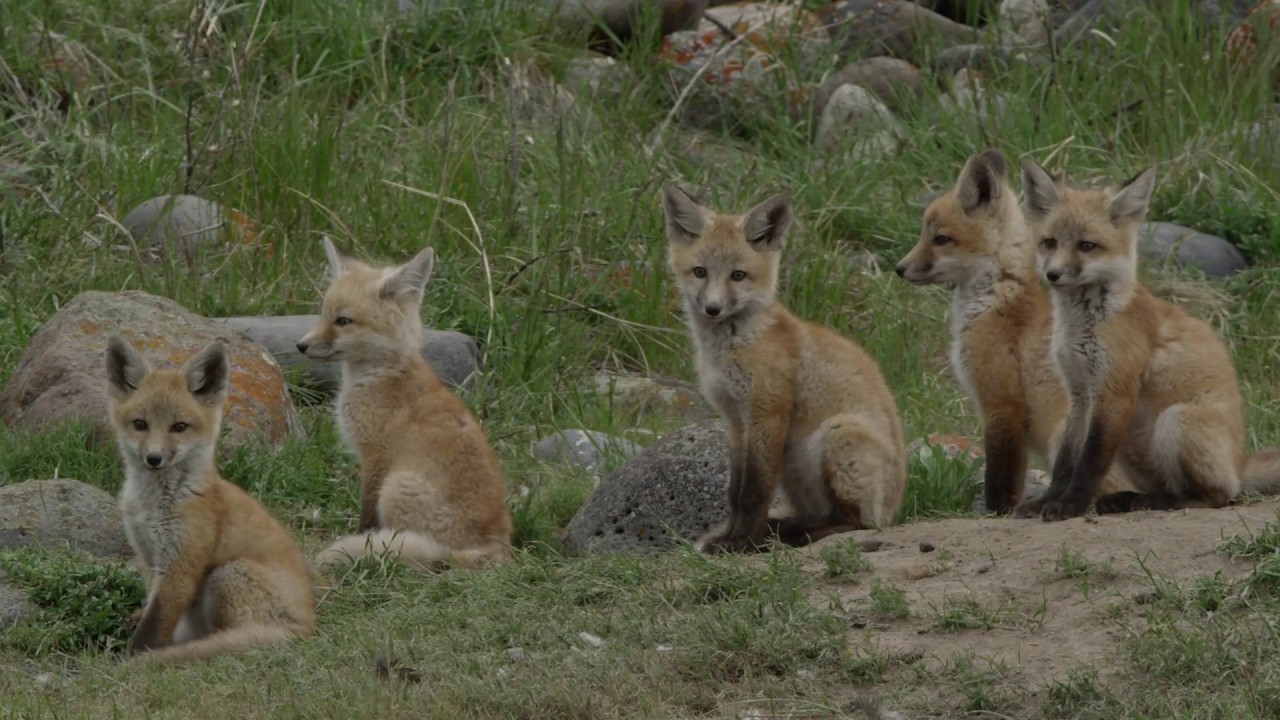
82	603
889	601
1067	698
844	559
1074	565
939	486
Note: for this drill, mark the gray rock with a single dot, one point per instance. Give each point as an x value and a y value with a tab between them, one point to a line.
675	488
15	608
895	82
51	512
453	355
597	77
856	121
1162	242
987	58
588	449
897	28
61	375
179	226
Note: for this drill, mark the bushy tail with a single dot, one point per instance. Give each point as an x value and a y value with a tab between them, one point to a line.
225	642
1262	472
417	550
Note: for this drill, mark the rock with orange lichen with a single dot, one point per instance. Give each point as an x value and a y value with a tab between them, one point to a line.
61	375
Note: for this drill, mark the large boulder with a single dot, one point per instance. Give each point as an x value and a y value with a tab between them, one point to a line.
453	355
897	28
61	375
676	488
1216	257
610	22
47	513
895	82
15	608
180	226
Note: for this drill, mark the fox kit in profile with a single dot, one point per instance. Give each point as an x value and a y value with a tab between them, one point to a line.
1150	388
222	573
801	404
975	238
430	485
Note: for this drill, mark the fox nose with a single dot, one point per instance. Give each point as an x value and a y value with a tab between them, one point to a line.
712	310
154	459
302	347
901	270
1052	275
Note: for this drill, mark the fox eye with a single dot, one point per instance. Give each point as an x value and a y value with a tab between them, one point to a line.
342	320
1049	243
940	240
178	427
699	272
1086	246
738	275
140	425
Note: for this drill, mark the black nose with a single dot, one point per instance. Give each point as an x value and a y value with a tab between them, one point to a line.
154	459
901	270
712	310
302	347
1053	275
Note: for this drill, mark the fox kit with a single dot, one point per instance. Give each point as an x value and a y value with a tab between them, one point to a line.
1150	388
430	485
222	573
975	238
801	404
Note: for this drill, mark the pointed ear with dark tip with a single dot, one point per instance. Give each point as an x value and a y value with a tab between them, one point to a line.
125	367
998	162
410	279
978	186
339	262
208	373
1040	192
1133	200
683	214
765	225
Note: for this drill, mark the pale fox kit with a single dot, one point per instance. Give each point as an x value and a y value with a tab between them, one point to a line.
802	405
975	238
1150	388
222	573
430	484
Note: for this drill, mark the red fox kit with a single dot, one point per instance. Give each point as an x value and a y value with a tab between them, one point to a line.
1150	388
802	405
975	238
430	484
222	573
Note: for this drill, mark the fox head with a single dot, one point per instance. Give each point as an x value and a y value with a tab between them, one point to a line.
971	230
369	314
168	417
725	266
1085	236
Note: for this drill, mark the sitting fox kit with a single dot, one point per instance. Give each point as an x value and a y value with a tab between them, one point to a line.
803	406
430	483
1150	388
222	573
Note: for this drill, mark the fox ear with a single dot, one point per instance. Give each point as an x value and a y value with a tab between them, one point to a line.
684	218
1133	200
979	184
765	225
339	262
411	278
125	367
208	373
1040	192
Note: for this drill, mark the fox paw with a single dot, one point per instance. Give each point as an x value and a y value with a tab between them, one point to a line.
1028	509
726	544
1056	510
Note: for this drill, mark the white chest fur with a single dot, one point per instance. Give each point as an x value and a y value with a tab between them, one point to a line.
152	523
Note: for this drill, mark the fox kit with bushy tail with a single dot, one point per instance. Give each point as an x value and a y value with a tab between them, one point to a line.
430	485
1150	388
222	573
802	405
975	238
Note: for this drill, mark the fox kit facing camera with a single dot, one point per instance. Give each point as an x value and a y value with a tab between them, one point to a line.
430	485
802	405
222	573
1150	388
974	237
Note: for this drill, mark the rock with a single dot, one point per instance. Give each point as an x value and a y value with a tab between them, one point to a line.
712	152
987	58
623	18
970	100
857	122
453	355
968	12
48	513
15	608
597	76
896	83
981	566
587	449
897	28
590	640
1025	21
61	375
1161	242
516	654
770	26
653	395
180	226
677	487
928	546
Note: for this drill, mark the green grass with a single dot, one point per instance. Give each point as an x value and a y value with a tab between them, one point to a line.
314	117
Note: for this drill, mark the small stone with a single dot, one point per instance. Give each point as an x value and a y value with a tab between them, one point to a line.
665	648
516	654
855	120
590	640
896	83
44	679
917	572
180	226
875	545
927	546
980	567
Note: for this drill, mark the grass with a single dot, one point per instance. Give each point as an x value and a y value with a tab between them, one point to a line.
394	132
